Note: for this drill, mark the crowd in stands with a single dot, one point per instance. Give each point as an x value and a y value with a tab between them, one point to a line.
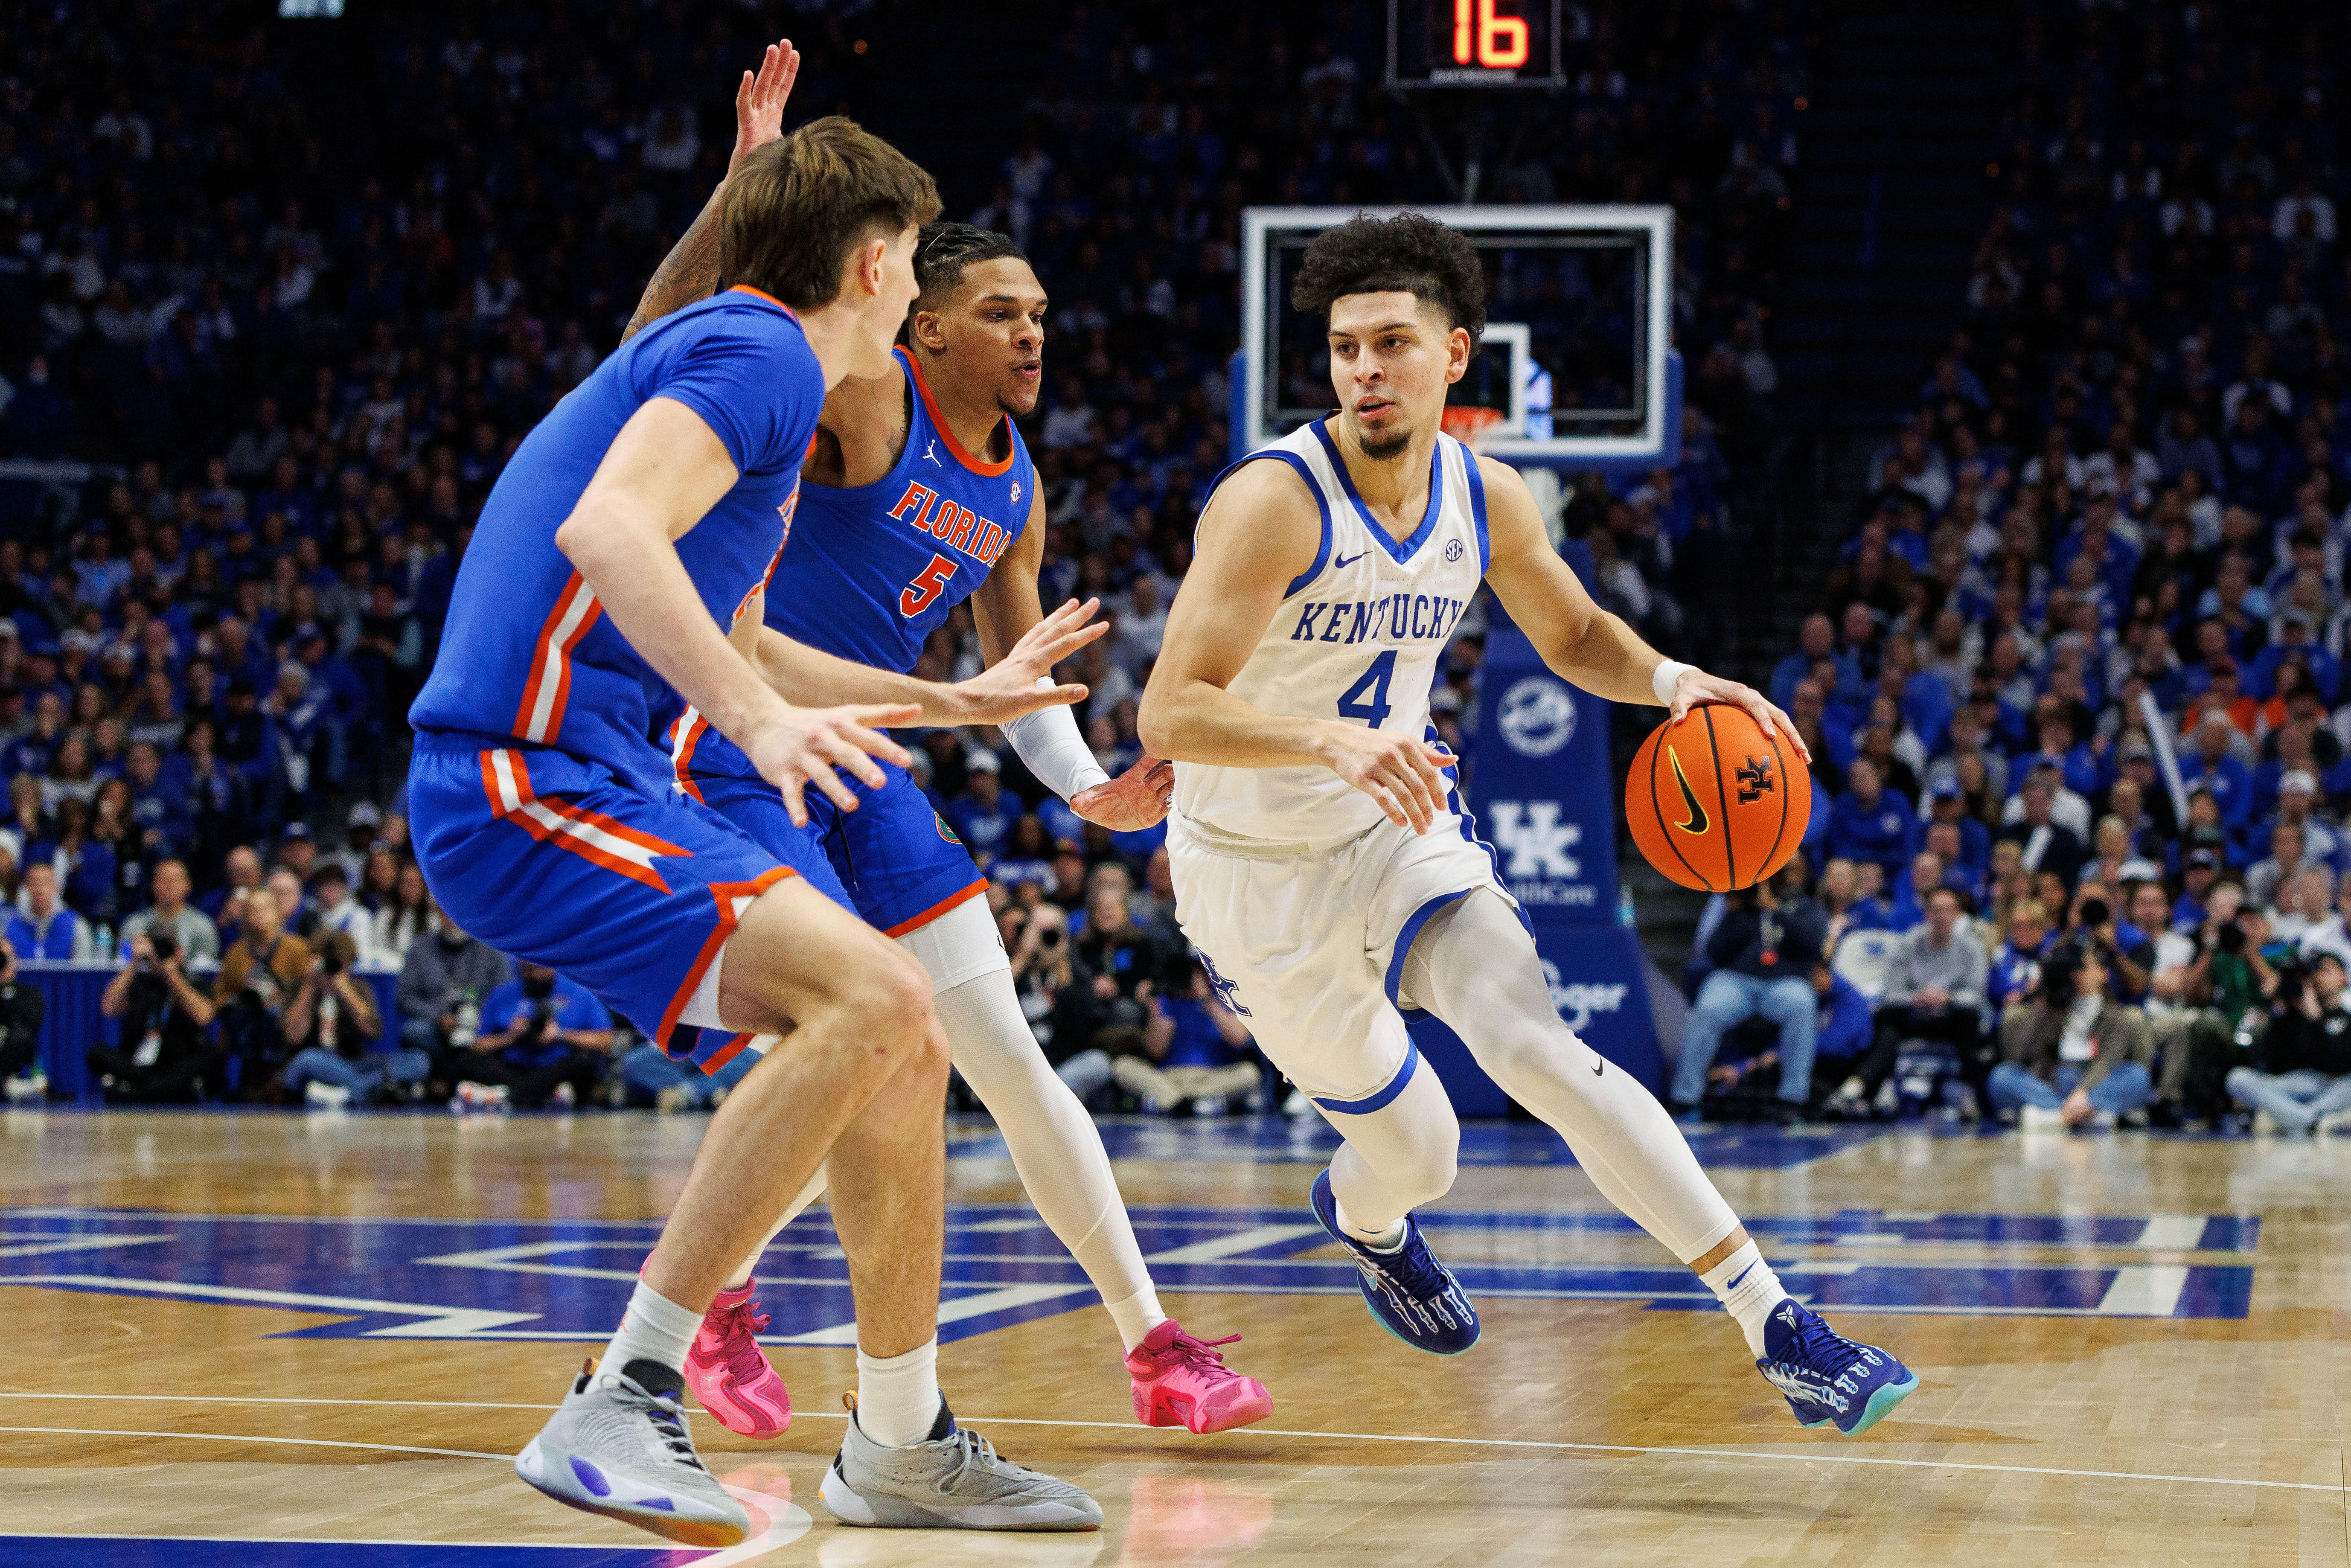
262	359
2074	689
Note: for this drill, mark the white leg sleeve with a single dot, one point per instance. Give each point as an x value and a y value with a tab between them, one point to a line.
1475	966
1054	1143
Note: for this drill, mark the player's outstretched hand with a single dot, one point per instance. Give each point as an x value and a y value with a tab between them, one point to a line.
807	745
1406	776
1697	686
1136	800
1021	682
760	101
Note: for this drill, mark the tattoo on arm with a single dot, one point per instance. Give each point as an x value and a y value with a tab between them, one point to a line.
688	273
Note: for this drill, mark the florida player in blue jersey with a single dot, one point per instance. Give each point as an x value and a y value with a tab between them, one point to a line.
918	494
614	564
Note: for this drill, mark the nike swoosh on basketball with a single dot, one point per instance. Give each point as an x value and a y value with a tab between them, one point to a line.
1345	560
1695	823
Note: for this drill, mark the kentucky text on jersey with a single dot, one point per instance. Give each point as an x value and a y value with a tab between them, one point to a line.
1392	618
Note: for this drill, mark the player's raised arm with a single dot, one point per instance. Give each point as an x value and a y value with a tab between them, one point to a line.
663	472
690	271
1581	641
1258	536
1021	682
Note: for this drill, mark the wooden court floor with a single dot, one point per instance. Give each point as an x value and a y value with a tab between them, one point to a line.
264	1338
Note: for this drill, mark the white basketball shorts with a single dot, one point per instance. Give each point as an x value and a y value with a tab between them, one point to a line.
1307	942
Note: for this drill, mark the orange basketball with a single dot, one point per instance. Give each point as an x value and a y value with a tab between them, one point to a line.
1713	803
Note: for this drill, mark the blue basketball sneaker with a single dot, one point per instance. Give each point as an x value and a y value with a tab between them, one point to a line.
1826	1376
1407	1292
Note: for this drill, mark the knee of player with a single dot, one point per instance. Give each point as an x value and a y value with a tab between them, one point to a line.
888	998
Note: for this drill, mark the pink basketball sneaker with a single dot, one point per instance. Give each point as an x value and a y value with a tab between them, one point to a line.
731	1374
1180	1381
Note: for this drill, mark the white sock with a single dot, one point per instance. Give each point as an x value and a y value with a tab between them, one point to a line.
898	1396
1747	1291
1386	1241
807	1195
655	1328
1136	1315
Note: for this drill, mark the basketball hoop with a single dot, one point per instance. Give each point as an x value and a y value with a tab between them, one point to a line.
1467	423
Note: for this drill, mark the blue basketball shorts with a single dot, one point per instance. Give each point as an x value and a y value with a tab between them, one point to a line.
903	865
551	860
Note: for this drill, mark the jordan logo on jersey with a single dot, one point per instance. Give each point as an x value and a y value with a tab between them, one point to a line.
945	519
1392	618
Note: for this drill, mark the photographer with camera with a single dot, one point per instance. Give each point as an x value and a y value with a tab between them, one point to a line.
442	980
190	930
2126	952
22	1008
333	1025
1199	1051
2300	1078
2071	1055
259	973
544	1040
1114	967
1764	950
161	1057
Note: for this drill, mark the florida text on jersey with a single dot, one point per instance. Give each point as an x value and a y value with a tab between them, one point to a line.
869	571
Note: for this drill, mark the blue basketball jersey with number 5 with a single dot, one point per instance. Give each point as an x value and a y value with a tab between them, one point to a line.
868	573
1357	637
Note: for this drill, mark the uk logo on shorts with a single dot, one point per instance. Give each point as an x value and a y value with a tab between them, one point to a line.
1223	988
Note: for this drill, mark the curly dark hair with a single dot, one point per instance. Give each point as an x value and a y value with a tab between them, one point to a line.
942	250
1409	252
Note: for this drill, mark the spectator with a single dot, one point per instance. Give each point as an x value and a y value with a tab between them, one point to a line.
1871	823
983	816
403	918
444	981
2045	842
2303	1084
337	910
333	1025
1198	1053
193	934
22	1008
1763	952
2071	1056
43	929
259	975
1935	990
2015	967
161	1057
544	1040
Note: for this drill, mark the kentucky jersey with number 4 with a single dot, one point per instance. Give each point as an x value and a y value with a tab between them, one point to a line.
1358	637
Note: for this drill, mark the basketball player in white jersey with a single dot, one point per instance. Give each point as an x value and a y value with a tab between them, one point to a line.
1323	863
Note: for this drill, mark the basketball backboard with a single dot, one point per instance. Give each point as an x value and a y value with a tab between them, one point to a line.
1575	367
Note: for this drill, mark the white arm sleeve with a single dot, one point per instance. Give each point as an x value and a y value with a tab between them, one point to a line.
1049	742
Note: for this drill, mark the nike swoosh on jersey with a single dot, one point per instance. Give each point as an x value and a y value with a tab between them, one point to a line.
1695	823
1346	560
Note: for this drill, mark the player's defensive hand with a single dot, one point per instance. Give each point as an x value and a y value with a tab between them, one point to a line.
1021	682
1697	686
760	101
806	745
1136	800
1404	775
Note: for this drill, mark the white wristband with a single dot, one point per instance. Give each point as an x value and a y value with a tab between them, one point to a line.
1049	743
1669	676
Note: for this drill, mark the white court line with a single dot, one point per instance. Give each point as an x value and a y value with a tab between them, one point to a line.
1816	1459
236	1438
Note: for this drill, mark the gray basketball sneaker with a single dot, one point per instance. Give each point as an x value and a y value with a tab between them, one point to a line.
954	1480
618	1445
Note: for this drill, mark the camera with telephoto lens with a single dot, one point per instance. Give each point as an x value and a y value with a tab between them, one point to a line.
165	947
2096	912
2229	938
330	961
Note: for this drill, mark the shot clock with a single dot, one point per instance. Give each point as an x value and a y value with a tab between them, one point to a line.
1474	44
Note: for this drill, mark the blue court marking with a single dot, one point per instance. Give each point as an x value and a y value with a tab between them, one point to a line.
179	1552
563	1279
1309	1140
